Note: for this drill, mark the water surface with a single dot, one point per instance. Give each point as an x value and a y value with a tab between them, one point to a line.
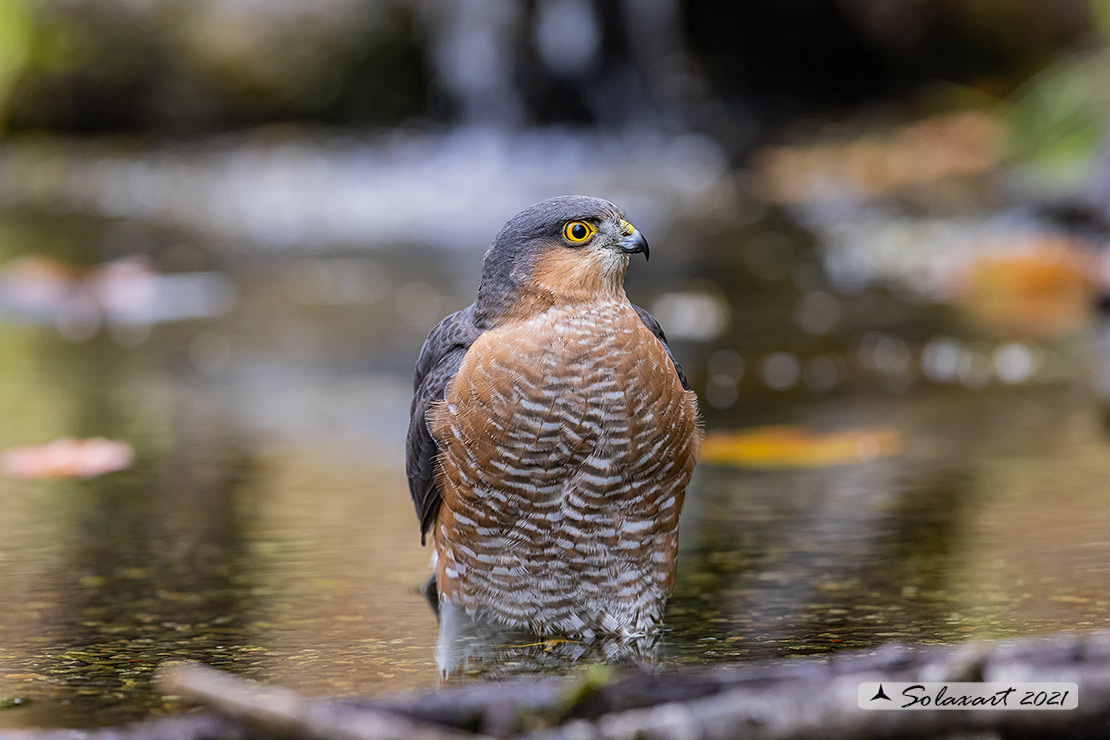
266	526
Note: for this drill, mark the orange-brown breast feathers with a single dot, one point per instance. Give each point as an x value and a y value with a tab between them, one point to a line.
567	441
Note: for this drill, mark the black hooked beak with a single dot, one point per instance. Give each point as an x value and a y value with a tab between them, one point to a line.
634	243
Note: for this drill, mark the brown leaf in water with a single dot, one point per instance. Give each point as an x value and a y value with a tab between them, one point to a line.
67	458
1044	287
795	447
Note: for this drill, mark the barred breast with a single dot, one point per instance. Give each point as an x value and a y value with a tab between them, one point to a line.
567	442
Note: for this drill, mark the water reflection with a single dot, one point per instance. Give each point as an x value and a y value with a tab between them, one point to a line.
143	564
125	294
295	194
468	648
936	545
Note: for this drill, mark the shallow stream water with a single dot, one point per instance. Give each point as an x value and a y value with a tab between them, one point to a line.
266	527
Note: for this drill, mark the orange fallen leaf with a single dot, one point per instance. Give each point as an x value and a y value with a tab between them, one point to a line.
67	458
1044	289
795	447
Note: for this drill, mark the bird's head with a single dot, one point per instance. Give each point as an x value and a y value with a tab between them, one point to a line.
569	249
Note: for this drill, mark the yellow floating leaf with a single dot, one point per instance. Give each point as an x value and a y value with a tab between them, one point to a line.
795	447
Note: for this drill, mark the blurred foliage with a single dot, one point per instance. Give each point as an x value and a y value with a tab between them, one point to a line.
798	54
1059	118
16	32
203	65
179	65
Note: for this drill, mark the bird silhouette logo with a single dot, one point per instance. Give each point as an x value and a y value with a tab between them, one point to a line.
880	694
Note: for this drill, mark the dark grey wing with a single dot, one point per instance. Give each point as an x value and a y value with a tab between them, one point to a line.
653	326
439	361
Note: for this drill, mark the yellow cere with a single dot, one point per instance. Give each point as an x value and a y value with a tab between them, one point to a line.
628	228
577	231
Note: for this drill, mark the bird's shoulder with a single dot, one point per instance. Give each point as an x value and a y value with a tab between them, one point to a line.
453	334
652	325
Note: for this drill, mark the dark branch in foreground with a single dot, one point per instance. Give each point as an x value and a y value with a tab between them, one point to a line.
793	699
286	713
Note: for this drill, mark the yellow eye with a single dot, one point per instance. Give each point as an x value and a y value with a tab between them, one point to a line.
577	232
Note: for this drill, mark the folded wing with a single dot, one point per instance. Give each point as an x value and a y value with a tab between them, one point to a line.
439	362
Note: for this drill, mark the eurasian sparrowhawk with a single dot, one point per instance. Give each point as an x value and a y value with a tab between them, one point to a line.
553	433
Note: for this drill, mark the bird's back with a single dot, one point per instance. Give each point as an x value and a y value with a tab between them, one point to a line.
566	442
